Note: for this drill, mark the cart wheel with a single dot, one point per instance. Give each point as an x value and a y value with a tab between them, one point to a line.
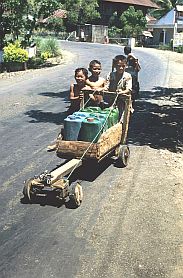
76	194
124	155
28	192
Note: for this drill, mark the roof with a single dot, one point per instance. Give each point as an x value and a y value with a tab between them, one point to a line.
145	3
60	13
168	20
147	34
56	14
150	19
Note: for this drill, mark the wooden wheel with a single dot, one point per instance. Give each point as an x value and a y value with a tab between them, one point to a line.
76	194
28	191
124	155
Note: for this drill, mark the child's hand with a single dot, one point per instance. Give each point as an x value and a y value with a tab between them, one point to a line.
81	95
91	96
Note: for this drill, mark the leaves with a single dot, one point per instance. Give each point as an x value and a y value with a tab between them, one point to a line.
132	22
165	7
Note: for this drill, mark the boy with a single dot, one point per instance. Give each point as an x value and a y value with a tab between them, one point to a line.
96	83
119	81
133	67
81	75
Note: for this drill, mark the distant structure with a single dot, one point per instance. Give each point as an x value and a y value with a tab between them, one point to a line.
169	26
108	7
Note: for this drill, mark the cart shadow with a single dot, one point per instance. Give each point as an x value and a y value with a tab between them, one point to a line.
62	94
40	116
158	120
48	200
91	170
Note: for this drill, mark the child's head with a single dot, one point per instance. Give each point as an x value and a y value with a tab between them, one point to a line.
120	63
81	74
95	67
127	50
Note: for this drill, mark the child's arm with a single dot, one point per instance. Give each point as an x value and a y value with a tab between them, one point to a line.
128	86
137	66
72	95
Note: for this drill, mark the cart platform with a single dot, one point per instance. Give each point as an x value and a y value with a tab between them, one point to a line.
108	141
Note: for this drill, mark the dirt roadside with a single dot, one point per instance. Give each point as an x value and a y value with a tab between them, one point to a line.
53	64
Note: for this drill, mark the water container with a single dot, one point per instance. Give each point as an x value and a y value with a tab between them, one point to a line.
89	129
72	126
109	117
102	119
115	114
95	109
82	114
91	109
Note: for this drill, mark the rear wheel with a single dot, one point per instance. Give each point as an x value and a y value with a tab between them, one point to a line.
76	194
123	155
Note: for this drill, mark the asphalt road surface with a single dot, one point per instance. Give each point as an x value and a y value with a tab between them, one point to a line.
126	225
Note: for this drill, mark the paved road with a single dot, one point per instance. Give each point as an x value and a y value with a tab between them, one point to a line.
126	224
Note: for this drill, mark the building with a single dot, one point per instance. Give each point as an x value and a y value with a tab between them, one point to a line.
168	26
109	7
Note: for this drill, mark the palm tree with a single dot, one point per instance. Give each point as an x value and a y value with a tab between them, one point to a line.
165	7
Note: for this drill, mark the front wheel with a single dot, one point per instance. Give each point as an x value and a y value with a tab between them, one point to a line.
28	190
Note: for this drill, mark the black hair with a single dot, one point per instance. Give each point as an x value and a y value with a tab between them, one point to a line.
118	58
127	50
84	71
92	63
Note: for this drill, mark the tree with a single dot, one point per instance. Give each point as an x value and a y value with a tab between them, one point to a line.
21	16
133	22
11	14
80	12
164	7
37	9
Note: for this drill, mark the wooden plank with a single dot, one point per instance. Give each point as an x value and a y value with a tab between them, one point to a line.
110	139
64	169
76	148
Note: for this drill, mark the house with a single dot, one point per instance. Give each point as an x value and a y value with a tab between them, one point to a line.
109	7
167	26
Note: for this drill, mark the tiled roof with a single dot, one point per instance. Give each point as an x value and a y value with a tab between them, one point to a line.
60	13
56	14
146	3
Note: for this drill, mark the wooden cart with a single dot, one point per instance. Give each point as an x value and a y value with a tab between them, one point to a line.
111	142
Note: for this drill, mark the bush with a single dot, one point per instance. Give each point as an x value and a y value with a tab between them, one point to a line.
14	53
35	62
179	49
45	55
51	46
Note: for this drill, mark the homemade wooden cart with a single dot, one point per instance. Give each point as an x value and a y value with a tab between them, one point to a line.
111	142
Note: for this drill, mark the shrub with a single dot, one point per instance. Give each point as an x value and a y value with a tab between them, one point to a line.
179	49
50	45
14	53
35	62
45	55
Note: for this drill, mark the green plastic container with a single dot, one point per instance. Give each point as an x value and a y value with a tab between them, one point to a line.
91	109
90	127
110	117
115	115
102	119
